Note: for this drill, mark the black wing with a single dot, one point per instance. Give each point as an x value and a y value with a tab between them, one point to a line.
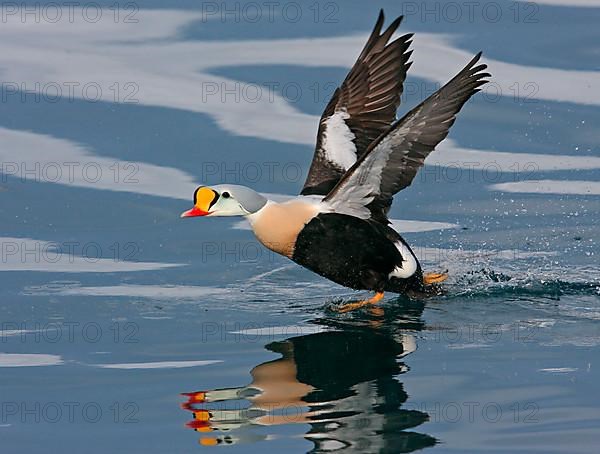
392	161
361	109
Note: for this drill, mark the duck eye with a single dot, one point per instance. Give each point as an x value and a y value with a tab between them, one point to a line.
225	195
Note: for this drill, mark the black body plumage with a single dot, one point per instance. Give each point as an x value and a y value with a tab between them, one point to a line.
354	252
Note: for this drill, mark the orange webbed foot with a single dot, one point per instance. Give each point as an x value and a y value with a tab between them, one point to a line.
434	278
358	304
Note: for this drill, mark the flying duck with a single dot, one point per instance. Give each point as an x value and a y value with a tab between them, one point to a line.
338	226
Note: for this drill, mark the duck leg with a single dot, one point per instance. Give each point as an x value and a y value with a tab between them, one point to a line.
358	304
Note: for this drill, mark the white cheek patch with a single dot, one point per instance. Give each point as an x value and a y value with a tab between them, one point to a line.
338	141
409	265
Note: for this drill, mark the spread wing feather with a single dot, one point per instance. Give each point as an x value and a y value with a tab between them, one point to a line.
360	109
392	161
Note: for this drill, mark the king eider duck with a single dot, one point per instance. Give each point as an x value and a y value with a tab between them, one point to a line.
338	226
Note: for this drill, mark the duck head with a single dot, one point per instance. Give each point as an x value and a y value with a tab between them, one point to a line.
225	200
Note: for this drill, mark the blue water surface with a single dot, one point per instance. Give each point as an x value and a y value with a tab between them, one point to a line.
126	329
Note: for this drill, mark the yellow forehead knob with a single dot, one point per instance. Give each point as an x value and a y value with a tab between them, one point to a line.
204	197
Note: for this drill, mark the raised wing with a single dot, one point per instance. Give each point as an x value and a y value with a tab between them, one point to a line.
391	162
361	109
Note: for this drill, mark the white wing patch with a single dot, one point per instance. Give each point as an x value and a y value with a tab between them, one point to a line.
338	139
409	265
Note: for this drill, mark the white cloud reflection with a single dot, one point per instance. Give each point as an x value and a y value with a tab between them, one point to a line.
160	364
29	360
171	72
550	187
29	156
174	73
28	254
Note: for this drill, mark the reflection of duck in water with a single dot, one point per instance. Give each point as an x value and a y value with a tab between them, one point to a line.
342	383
